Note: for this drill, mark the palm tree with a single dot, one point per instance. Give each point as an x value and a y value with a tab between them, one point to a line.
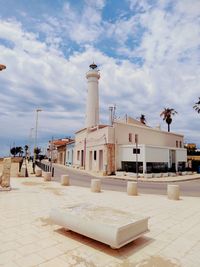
167	114
197	106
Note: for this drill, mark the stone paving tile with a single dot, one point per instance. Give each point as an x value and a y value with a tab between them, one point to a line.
28	249
29	260
56	262
7	256
30	239
50	253
11	264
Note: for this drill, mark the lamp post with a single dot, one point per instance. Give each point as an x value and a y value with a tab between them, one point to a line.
35	143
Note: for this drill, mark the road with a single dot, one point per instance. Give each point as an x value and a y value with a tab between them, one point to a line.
78	178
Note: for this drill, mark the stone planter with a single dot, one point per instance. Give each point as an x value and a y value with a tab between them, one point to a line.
156	175
172	174
132	174
148	175
65	179
165	174
96	185
120	173
173	192
184	173
132	188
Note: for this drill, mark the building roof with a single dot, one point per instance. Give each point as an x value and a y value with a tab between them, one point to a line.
131	120
136	123
62	142
100	126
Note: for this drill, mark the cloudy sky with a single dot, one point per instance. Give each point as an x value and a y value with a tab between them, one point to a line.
148	53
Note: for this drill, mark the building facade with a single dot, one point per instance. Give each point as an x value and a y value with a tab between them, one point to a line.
125	143
70	153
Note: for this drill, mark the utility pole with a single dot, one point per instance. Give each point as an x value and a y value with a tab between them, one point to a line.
136	142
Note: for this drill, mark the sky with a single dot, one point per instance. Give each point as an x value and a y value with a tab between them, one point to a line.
147	51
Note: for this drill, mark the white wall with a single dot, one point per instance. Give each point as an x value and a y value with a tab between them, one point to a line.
126	153
96	139
181	155
156	154
146	135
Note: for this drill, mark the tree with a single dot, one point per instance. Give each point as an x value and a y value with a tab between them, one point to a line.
143	119
19	150
197	106
167	114
13	151
37	151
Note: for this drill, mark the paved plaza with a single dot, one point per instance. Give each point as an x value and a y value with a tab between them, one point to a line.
28	237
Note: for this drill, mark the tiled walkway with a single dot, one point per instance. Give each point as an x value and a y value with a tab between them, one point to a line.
28	238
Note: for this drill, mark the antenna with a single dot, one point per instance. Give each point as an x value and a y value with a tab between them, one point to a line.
112	116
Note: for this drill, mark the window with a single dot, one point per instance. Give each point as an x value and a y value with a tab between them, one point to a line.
78	155
180	144
176	143
130	137
136	151
95	155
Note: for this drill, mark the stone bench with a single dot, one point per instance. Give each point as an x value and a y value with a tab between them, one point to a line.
105	224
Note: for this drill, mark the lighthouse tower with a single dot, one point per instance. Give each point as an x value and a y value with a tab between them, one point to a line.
92	109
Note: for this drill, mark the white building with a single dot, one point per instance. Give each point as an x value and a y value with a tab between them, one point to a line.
107	148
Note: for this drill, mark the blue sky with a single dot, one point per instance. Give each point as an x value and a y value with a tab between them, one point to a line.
148	53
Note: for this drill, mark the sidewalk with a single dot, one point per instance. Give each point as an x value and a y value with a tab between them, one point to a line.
28	238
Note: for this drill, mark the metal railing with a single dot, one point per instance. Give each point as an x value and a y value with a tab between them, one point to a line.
45	167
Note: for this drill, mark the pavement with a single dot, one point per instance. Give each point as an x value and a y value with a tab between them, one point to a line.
29	238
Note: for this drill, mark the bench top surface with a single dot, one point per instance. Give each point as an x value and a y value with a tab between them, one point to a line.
102	214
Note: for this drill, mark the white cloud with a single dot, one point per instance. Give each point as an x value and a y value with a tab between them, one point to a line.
38	74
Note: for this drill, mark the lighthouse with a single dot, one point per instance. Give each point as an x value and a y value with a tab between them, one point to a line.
92	109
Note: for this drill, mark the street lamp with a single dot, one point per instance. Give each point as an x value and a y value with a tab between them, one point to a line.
35	143
30	140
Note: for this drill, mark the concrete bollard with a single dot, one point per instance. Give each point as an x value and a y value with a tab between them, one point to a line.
47	176
23	172
132	188
173	191
96	185
64	179
38	173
